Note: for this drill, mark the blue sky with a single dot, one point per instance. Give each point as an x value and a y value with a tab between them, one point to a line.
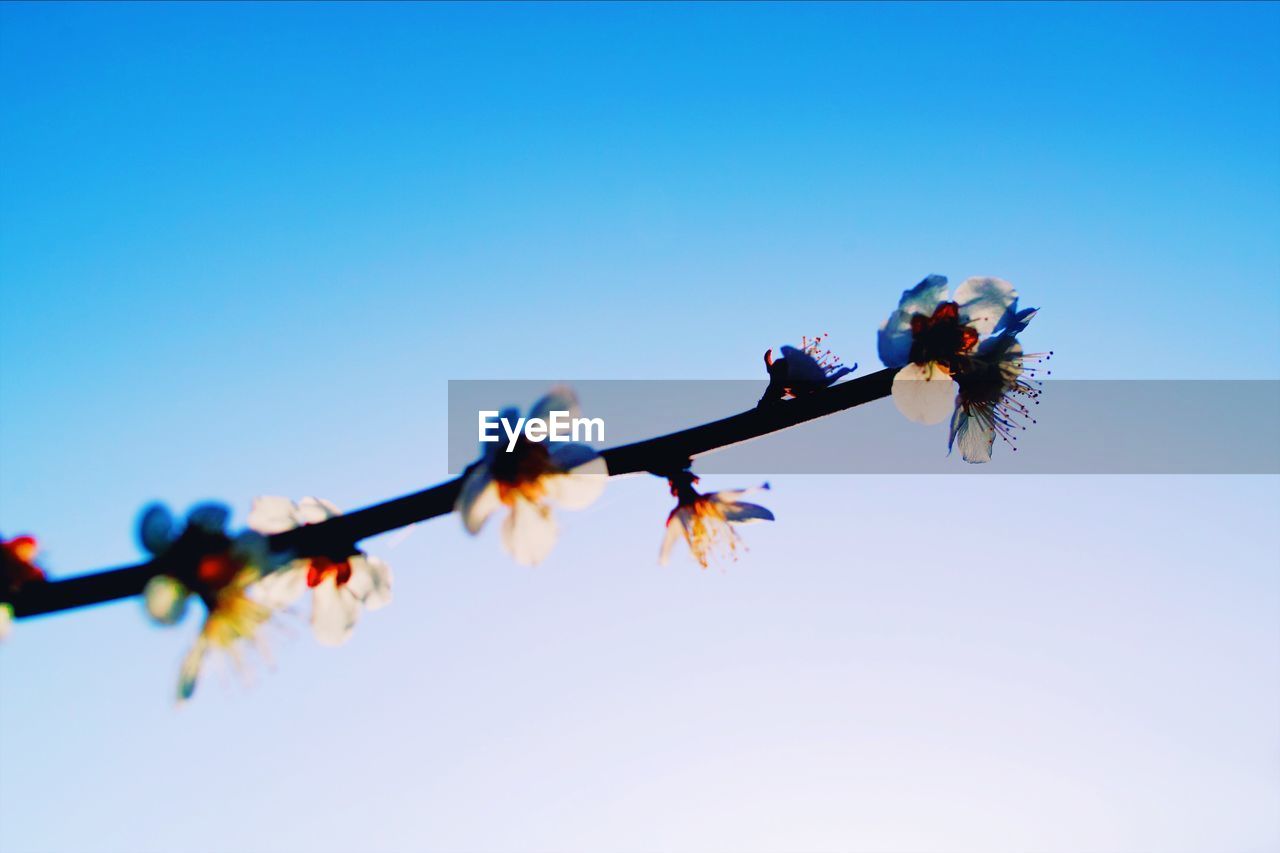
244	247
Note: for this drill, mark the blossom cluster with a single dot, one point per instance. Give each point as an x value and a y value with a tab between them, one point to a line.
960	359
957	357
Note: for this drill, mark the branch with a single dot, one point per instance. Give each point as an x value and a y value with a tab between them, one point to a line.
657	455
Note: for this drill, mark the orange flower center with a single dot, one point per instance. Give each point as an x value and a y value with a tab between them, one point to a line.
322	567
520	472
217	570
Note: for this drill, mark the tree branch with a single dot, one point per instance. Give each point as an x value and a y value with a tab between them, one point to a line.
660	455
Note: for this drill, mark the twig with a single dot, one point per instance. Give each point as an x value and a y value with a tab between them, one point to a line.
659	455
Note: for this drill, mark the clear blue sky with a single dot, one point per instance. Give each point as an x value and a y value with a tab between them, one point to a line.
243	248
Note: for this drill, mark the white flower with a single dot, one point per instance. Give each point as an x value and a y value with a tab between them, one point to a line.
706	521
802	371
528	480
931	337
339	587
996	389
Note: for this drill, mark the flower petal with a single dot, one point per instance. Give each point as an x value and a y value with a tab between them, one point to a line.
477	499
211	517
334	611
370	581
190	670
165	599
273	514
284	586
729	496
742	513
583	480
529	532
983	302
924	393
803	368
674	532
894	340
316	510
559	399
973	433
156	528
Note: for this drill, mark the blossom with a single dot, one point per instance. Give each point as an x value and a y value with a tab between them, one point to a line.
931	338
17	569
996	390
222	570
232	618
802	371
706	520
339	586
528	480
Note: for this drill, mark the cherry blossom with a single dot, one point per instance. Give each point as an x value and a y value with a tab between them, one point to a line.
340	585
707	521
529	480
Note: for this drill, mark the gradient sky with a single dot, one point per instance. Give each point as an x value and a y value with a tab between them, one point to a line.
243	248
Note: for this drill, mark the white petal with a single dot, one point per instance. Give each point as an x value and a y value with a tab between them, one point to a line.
6	620
894	340
529	532
273	514
477	499
674	532
983	302
316	510
284	586
925	394
334	611
559	399
581	484
973	434
370	581
165	599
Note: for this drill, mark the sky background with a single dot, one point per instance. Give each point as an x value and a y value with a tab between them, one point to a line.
243	248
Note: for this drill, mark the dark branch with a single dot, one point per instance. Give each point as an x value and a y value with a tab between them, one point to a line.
659	455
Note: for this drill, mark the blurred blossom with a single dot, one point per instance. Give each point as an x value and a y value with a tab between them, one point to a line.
930	337
339	586
528	480
204	561
706	521
165	597
232	617
996	390
797	372
16	571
